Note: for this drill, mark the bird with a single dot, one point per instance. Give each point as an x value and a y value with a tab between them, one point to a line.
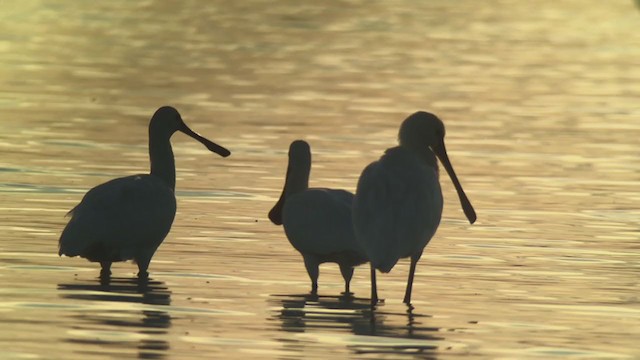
128	218
317	221
398	201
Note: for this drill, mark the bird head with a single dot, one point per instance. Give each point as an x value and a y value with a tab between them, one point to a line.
167	120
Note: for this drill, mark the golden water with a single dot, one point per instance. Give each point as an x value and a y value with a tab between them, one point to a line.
541	104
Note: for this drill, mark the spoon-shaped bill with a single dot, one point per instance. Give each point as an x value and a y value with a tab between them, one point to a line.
275	215
206	142
441	153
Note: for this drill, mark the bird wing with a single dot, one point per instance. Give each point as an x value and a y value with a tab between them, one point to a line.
118	217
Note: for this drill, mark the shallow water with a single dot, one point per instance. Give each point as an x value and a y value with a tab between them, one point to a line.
542	116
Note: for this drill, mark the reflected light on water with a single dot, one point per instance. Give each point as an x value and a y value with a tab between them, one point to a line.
324	320
541	108
124	321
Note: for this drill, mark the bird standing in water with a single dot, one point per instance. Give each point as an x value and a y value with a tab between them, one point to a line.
317	221
398	202
128	218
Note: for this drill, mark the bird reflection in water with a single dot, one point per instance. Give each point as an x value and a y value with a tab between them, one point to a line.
145	327
338	315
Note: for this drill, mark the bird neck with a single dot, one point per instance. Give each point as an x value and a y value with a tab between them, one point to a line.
162	163
297	179
430	158
424	153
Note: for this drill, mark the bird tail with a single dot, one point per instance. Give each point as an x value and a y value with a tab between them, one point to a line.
70	243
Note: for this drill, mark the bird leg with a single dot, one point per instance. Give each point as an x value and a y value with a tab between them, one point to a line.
312	269
143	261
412	270
105	272
347	273
142	269
374	289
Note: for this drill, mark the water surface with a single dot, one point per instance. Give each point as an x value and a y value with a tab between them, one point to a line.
542	116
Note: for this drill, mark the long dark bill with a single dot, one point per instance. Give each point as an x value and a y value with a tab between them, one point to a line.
441	153
275	215
206	142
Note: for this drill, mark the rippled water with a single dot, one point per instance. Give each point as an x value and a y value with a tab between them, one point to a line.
541	108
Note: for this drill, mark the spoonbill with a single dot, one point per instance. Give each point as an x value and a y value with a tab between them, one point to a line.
398	202
317	221
129	217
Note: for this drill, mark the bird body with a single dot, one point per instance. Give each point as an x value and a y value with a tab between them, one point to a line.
308	209
401	209
317	221
398	202
123	219
128	218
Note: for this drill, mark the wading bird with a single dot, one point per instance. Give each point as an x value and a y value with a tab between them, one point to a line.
128	218
317	221
398	202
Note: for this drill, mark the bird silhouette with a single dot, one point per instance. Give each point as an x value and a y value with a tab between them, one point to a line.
398	202
128	218
317	221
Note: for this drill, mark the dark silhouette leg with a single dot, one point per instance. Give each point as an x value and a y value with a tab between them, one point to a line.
105	272
347	273
374	289
143	261
143	266
143	283
312	269
143	258
143	274
412	270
